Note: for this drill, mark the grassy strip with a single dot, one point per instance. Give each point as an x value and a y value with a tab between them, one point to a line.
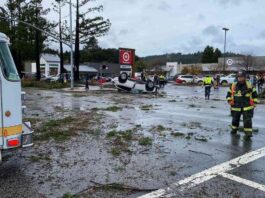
63	129
146	107
114	108
120	141
177	134
43	84
145	141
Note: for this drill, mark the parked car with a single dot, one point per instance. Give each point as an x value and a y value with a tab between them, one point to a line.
55	78
171	79
182	79
102	80
227	80
220	75
198	80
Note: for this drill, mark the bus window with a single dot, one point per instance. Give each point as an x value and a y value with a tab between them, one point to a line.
7	63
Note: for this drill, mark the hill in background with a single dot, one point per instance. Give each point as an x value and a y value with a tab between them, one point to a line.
178	57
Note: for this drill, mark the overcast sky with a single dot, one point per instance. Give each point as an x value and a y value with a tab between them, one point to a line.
165	26
169	26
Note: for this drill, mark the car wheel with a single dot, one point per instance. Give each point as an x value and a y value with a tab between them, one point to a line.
184	82
200	83
224	83
123	77
150	85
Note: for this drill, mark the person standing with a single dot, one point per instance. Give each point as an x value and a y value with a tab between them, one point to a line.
156	82
143	77
242	97
87	81
253	80
218	81
208	83
162	81
260	83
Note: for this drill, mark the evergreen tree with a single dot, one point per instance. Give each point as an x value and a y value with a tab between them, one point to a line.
140	66
26	42
58	9
86	28
92	44
217	55
208	55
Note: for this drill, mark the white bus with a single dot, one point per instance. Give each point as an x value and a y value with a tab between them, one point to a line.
14	133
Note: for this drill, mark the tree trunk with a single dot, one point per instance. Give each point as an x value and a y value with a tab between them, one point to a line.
37	55
77	50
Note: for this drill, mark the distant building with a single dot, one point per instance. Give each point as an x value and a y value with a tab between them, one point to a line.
172	69
84	71
30	67
252	63
50	64
205	67
95	69
112	69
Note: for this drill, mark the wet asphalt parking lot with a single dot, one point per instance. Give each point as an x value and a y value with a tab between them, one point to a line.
187	135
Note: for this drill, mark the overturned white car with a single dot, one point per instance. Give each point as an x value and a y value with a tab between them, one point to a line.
124	83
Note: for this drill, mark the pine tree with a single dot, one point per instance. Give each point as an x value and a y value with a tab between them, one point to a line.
208	55
22	44
86	28
217	54
58	9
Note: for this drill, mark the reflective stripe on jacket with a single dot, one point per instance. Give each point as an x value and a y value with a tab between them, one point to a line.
242	96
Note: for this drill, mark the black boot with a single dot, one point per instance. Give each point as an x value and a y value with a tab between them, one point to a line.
234	131
247	137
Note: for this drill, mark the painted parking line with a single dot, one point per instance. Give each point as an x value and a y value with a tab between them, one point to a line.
244	181
207	174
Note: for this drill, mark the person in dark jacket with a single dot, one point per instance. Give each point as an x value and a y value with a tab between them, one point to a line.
143	77
242	97
87	82
156	82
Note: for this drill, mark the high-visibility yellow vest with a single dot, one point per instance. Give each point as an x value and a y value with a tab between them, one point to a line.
207	80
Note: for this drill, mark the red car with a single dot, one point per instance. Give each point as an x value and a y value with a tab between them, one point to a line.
102	81
183	79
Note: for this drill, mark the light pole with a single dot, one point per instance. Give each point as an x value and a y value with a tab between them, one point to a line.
226	30
71	45
37	48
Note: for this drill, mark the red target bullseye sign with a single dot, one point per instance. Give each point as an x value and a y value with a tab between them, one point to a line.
126	56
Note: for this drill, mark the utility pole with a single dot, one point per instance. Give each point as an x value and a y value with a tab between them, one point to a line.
226	30
37	47
71	46
60	37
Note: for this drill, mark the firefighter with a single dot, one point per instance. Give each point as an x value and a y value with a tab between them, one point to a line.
208	83
242	97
